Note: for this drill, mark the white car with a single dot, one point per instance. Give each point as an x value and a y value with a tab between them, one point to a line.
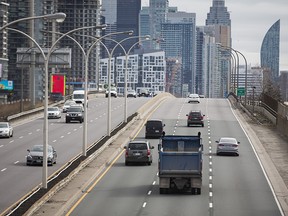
227	145
54	112
113	92
67	104
193	98
6	130
131	93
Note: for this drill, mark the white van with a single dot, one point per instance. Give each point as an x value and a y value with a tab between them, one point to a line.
78	96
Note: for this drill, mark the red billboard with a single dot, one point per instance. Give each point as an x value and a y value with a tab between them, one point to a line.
58	83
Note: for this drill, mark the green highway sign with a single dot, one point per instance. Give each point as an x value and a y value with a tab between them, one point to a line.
240	91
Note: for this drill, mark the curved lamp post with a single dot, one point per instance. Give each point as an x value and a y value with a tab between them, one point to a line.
45	127
59	17
146	37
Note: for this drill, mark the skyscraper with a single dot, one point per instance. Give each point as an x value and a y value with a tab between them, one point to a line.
179	34
219	18
269	55
80	13
127	19
218	14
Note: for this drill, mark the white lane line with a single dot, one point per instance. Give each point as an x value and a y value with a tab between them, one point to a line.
69	132
75	129
210	185
210	170
62	137
144	204
20	137
38	130
149	193
16	162
210	205
210	178
1	146
154	182
3	169
54	141
11	141
210	194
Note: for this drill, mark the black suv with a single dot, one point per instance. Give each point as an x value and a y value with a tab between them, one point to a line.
75	113
195	118
154	128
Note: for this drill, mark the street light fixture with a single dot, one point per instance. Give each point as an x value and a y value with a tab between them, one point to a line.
59	17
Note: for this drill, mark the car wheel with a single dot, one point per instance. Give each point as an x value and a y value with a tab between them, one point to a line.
188	125
149	163
202	125
67	121
162	190
126	163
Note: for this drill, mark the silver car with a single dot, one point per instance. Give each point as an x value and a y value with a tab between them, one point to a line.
227	145
35	155
138	152
6	130
54	112
67	104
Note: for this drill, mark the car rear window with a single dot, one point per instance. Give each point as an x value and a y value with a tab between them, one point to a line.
138	146
195	114
154	123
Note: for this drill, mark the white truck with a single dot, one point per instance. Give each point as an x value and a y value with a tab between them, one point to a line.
78	96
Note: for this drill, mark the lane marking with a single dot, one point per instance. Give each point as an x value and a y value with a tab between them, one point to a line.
144	204
1	146
3	169
149	193
16	162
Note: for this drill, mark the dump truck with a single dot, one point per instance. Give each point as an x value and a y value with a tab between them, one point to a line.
180	164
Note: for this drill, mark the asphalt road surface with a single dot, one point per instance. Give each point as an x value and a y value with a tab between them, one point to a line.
17	179
231	185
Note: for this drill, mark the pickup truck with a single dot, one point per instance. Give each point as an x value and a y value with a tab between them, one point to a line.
180	164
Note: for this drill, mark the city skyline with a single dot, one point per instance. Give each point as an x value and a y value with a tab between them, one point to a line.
249	29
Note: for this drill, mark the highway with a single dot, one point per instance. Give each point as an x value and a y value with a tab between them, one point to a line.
17	179
231	185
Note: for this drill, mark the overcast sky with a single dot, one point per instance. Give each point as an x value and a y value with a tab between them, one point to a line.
250	20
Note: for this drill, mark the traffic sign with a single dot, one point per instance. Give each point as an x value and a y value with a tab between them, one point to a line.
240	91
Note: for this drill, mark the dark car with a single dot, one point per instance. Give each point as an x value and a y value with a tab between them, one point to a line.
138	152
75	113
195	117
56	96
143	93
35	155
154	128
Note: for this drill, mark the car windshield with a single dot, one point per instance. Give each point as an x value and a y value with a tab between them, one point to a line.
52	108
3	125
69	102
78	96
39	148
138	146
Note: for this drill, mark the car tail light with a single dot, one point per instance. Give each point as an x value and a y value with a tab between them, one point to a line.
234	145
126	153
148	152
221	145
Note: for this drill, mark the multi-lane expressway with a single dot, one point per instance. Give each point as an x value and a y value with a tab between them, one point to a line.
17	179
231	185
